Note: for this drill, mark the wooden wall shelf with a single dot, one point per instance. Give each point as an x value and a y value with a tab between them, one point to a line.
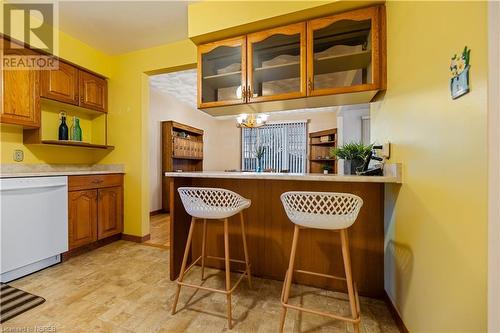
75	144
223	80
188	158
344	62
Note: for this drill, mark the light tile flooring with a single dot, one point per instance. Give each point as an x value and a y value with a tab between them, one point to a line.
124	287
159	229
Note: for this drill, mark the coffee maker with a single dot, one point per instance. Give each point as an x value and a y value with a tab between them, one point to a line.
374	170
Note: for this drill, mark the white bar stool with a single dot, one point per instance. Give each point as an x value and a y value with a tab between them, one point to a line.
213	204
329	211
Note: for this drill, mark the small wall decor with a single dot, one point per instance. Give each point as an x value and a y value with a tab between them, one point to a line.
460	65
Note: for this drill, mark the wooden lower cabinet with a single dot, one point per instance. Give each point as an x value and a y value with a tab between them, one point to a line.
109	212
95	212
82	213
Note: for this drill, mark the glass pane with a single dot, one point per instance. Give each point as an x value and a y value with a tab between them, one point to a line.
221	72
276	65
342	54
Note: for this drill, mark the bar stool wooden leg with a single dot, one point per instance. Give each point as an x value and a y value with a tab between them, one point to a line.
347	266
184	262
203	248
245	249
228	272
289	275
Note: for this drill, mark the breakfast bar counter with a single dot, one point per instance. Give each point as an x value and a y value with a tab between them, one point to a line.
269	231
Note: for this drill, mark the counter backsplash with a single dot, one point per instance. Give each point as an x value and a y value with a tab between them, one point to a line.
21	168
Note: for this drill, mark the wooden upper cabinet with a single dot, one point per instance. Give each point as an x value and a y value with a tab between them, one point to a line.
93	91
345	52
222	73
60	85
20	91
110	211
82	211
276	63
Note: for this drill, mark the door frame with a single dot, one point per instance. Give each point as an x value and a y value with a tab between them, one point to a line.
494	166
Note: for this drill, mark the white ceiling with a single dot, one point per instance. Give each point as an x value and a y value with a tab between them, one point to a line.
181	85
116	27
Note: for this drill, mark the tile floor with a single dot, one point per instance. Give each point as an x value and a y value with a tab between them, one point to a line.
124	287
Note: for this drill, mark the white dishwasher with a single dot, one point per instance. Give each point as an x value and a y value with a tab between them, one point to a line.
33	224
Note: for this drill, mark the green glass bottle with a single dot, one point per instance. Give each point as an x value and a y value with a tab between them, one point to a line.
78	130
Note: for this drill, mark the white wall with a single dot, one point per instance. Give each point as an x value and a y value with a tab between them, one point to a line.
221	138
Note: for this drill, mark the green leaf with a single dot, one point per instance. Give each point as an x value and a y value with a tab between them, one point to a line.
351	151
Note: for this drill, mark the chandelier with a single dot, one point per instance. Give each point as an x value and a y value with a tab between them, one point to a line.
251	120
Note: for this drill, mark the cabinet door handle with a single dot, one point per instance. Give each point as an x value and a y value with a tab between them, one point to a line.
244	93
310	84
249	92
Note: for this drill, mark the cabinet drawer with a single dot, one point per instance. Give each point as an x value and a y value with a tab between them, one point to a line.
76	183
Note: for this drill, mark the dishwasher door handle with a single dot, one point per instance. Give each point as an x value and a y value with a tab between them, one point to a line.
29	187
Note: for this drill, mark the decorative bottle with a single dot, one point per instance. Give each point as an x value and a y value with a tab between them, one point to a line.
63	128
78	130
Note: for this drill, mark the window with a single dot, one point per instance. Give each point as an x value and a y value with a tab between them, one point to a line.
284	146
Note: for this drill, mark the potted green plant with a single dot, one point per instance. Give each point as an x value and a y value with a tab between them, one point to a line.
326	168
353	154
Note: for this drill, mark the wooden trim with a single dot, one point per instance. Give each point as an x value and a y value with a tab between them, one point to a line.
89	247
136	239
395	314
157	212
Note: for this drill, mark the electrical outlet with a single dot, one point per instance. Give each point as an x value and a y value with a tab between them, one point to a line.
386	150
18	155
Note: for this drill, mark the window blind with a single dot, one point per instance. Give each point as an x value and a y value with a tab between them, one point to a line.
284	143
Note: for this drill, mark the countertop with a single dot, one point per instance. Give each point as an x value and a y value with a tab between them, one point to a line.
47	170
392	174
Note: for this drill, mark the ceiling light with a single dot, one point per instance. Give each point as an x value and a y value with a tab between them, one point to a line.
251	120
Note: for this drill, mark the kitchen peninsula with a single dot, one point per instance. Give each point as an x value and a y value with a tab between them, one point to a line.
269	232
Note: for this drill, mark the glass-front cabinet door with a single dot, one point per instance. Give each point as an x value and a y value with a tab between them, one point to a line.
343	53
277	63
222	73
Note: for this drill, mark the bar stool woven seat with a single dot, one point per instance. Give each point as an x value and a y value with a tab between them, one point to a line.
322	210
204	203
212	203
329	211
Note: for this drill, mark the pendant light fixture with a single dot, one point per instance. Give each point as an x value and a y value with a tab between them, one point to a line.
251	120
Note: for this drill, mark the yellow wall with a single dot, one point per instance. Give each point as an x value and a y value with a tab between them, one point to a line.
129	122
436	240
437	224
